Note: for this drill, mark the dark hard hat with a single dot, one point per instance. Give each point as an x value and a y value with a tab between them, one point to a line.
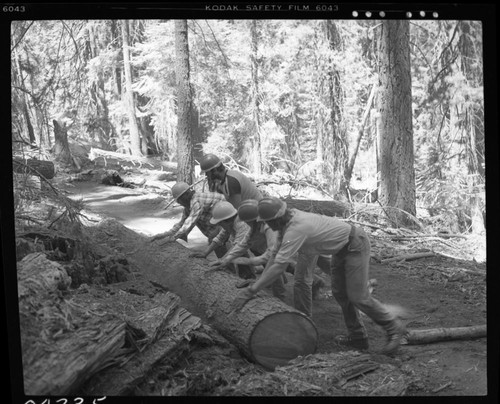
178	189
248	211
209	162
271	208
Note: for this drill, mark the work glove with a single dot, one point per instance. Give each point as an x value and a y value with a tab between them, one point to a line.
243	296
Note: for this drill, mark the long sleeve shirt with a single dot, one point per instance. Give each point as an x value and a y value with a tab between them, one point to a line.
199	214
239	231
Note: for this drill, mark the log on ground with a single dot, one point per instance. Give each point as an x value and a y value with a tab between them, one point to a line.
416	337
67	337
34	167
266	330
327	208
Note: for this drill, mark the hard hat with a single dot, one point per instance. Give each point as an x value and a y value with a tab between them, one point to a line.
209	162
179	188
247	211
270	208
221	211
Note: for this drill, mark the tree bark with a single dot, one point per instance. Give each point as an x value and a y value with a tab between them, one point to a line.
135	138
255	140
185	161
396	159
67	341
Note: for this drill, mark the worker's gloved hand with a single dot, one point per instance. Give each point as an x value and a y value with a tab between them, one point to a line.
243	296
217	264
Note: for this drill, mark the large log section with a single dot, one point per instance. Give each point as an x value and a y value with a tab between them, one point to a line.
266	330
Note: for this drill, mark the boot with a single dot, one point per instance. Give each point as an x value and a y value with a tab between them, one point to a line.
359	343
394	338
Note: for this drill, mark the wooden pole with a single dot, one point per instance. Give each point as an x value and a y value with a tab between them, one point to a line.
416	337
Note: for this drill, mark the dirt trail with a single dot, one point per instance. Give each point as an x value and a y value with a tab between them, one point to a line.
454	368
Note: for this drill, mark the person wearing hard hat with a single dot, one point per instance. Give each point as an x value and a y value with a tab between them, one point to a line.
260	241
226	216
233	184
310	235
197	212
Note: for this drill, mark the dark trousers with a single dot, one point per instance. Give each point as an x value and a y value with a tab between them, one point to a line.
350	286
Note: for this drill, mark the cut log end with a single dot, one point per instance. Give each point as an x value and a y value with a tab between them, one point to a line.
281	337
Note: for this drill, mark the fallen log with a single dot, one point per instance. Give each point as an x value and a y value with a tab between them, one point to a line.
327	208
408	257
266	330
66	338
416	337
40	168
126	159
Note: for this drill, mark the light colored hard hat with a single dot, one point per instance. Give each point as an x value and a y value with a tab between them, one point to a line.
179	188
221	211
270	208
209	162
247	211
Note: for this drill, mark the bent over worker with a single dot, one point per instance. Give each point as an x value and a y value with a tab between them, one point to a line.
260	241
233	230
197	212
233	184
311	235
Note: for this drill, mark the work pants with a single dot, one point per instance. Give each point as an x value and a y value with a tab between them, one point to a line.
350	287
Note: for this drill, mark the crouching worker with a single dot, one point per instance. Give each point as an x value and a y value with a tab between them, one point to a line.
233	230
260	241
311	235
197	212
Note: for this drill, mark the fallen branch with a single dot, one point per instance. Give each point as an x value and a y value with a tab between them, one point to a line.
439	235
416	337
408	257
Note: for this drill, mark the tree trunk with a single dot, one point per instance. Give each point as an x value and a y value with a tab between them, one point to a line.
255	139
61	146
397	174
336	148
135	139
185	170
352	159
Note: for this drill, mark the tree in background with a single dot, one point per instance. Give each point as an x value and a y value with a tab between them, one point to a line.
397	175
185	166
135	136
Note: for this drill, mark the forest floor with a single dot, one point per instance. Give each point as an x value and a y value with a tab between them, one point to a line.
438	291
